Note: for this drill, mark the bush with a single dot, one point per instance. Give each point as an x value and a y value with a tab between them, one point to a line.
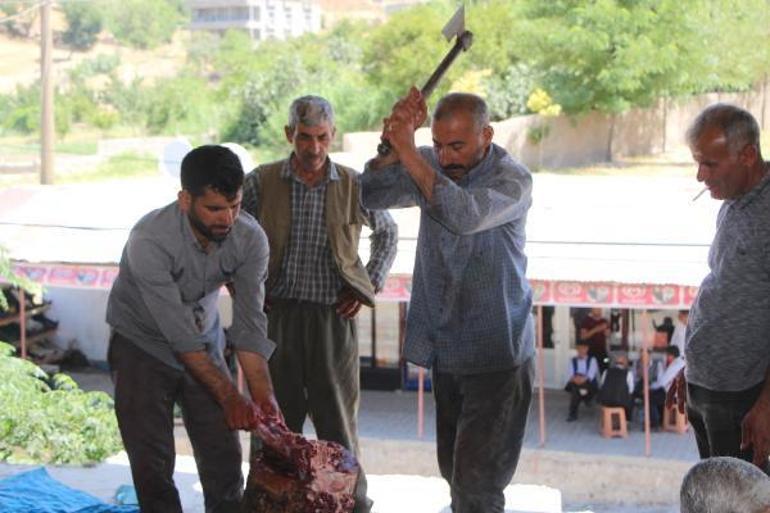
84	22
51	420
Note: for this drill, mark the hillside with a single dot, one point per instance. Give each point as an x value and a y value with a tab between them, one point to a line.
20	59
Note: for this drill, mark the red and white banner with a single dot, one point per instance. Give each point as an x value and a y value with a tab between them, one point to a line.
398	288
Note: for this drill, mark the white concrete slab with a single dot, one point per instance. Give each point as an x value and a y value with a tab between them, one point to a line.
391	493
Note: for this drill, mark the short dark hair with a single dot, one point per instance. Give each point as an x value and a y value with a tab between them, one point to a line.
583	342
310	111
738	125
471	103
212	166
672	350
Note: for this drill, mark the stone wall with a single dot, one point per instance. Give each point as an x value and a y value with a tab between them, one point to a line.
595	137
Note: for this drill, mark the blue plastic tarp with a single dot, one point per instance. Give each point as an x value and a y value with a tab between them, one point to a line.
35	491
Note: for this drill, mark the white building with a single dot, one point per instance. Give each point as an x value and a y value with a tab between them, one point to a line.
261	19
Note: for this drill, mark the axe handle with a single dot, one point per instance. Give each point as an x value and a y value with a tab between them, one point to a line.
463	42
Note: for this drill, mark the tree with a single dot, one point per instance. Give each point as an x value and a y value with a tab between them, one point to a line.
84	22
144	23
405	50
611	55
19	17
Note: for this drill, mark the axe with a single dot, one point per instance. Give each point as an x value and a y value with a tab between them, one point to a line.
455	27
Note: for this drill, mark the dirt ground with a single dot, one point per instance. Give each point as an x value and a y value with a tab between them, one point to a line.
20	60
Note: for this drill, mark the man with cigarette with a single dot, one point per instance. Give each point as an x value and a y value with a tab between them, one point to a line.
728	333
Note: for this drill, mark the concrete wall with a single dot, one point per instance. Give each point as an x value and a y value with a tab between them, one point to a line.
595	137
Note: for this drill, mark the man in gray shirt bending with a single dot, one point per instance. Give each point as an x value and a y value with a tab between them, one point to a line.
167	342
728	332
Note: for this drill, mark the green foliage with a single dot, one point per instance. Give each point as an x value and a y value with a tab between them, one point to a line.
144	23
51	421
507	93
404	51
172	105
84	22
124	165
14	22
611	55
8	275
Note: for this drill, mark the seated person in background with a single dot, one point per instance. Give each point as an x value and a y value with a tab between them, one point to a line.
582	384
667	327
617	385
725	485
680	328
659	387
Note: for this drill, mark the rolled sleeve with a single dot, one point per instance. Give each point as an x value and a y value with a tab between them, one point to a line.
465	211
383	245
151	267
248	331
389	187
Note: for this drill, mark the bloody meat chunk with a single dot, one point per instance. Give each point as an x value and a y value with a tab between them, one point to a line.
294	475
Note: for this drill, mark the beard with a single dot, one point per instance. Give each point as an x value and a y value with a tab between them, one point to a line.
214	233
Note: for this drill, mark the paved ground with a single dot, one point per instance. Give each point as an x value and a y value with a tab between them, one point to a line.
589	472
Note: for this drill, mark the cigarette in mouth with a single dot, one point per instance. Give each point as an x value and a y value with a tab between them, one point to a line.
700	193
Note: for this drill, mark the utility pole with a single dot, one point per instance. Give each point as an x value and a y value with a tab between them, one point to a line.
46	88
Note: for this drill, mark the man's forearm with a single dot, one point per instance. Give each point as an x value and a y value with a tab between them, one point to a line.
201	366
257	374
422	173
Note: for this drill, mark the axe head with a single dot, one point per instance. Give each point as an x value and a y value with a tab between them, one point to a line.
456	24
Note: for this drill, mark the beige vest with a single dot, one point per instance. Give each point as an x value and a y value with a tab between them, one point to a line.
343	224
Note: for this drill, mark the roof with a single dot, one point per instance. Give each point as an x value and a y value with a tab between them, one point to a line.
608	229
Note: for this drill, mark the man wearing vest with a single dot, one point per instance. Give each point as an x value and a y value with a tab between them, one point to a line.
583	379
310	209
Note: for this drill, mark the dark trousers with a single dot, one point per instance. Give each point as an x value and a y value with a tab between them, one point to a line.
145	392
315	371
657	403
580	393
480	422
716	419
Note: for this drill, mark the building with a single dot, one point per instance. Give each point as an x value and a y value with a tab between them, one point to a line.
260	19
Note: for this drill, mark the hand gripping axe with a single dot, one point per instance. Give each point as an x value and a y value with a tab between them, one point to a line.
455	27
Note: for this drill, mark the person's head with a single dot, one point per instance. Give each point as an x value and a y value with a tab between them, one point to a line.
461	133
621	360
724	141
212	177
683	315
672	353
725	485
311	131
582	348
596	313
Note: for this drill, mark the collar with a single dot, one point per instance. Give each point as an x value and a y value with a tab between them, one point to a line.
748	198
287	171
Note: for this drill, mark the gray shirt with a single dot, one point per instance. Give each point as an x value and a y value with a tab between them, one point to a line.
470	306
165	298
728	332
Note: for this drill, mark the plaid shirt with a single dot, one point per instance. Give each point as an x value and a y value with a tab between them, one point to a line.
308	270
470	306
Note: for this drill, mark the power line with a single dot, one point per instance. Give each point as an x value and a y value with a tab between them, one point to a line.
21	13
